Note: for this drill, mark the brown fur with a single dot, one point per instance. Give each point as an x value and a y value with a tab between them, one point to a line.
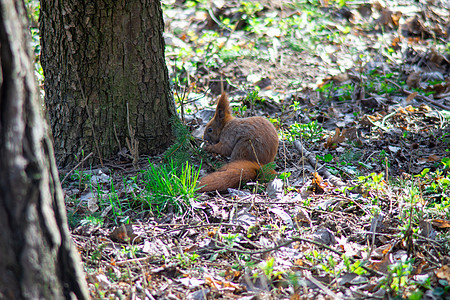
229	176
250	142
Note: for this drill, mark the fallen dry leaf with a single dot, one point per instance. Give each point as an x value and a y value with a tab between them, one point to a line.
431	158
443	273
413	80
413	26
318	184
124	234
221	284
410	108
440	223
411	97
382	264
333	141
380	252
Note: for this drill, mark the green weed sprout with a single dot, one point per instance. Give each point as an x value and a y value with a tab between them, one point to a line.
172	185
311	132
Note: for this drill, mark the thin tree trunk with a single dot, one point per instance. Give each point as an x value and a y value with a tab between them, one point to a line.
38	260
105	73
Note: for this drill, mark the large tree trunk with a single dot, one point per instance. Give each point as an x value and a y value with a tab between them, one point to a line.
37	260
103	60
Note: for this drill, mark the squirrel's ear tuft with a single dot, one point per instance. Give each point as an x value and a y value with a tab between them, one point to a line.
223	106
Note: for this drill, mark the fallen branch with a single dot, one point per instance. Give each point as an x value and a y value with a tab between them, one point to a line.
300	239
313	162
74	168
423	98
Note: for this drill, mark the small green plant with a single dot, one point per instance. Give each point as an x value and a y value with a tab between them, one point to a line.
130	251
355	267
187	259
231	239
253	96
311	132
118	209
326	88
268	268
285	178
276	122
92	220
314	256
445	138
295	105
170	184
83	178
250	8
267	172
74	218
373	182
182	148
97	253
446	162
330	266
326	158
435	186
344	92
239	110
397	278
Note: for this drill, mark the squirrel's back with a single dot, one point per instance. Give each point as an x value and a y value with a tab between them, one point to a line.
254	139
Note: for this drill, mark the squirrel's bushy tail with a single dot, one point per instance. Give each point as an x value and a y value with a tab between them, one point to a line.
229	176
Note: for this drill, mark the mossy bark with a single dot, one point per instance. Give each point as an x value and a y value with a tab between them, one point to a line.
38	260
104	70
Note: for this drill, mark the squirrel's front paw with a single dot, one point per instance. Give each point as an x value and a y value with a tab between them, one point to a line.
207	147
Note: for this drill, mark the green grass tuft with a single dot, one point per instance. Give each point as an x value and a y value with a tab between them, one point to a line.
171	185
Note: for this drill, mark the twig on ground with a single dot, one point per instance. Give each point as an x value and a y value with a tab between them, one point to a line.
74	168
313	162
423	98
300	239
323	287
133	260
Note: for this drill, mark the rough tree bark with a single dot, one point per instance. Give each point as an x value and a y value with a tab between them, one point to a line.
103	60
38	260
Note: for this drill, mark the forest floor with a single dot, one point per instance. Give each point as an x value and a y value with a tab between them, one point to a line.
360	96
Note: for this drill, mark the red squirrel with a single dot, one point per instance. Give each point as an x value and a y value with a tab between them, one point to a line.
250	142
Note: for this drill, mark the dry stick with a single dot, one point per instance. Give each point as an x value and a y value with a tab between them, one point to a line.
303	159
254	152
117	138
300	239
240	179
312	161
138	262
133	144
186	227
385	119
323	287
373	235
436	261
285	178
423	98
443	95
354	202
73	169
388	187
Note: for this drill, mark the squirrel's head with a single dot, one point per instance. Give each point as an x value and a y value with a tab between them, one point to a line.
222	116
